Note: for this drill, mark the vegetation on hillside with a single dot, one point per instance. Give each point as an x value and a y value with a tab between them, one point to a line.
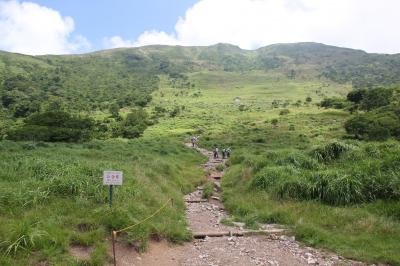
52	197
297	168
312	131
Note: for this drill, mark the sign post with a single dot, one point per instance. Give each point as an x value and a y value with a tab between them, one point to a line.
112	178
110	195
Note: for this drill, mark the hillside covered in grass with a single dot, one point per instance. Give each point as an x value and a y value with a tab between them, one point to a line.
91	82
289	112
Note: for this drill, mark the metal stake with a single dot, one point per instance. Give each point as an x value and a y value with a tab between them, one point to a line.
111	194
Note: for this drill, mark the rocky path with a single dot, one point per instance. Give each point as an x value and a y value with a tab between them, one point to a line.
216	243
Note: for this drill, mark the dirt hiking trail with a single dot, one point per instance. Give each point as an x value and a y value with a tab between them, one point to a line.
219	244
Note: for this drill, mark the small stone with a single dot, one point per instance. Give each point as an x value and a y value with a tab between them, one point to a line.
312	261
238	224
203	256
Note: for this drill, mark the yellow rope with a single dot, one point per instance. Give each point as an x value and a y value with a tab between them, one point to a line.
142	221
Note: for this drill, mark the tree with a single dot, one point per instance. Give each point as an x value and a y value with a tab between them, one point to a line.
376	97
374	126
335	103
357	126
356	96
308	99
114	110
55	105
54	126
134	124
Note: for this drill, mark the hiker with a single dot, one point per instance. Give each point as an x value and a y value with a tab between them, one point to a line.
194	139
215	152
228	152
223	153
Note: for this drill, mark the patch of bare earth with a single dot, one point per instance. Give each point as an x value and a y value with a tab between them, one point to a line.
237	246
80	252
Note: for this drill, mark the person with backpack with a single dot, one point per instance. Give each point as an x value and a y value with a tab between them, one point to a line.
215	152
223	153
228	152
193	141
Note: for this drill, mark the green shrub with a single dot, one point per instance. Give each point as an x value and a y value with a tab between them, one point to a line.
53	126
331	151
133	125
374	126
208	190
356	96
292	187
284	112
220	167
24	235
299	160
335	103
376	97
268	177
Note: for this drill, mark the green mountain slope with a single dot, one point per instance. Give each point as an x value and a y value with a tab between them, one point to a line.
128	76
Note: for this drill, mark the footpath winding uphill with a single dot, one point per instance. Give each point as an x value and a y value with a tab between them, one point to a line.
219	244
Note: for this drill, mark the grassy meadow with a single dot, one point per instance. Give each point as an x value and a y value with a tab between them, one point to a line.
52	197
290	164
335	193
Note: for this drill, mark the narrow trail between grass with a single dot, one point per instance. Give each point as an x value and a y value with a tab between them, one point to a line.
216	243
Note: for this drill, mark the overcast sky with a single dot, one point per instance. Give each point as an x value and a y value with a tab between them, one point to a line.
77	26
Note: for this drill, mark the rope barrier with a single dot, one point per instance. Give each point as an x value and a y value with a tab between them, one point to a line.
115	232
144	220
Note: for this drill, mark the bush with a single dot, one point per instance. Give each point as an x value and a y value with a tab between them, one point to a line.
299	160
284	112
242	107
335	103
53	126
208	190
268	177
292	188
356	96
133	125
357	126
331	151
376	97
220	167
374	126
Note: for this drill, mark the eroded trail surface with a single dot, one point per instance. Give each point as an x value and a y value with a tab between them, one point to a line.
219	244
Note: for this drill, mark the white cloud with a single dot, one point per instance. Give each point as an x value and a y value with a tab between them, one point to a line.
146	38
371	25
29	28
117	41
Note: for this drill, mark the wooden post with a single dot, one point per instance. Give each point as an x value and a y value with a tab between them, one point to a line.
113	236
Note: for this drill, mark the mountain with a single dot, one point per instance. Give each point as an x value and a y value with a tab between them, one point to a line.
128	75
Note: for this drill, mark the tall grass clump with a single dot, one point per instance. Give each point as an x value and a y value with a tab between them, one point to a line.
331	151
23	236
269	177
298	160
335	188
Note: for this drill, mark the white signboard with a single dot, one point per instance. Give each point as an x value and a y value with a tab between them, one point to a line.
112	178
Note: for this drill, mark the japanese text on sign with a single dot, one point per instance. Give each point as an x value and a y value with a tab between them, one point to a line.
112	178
